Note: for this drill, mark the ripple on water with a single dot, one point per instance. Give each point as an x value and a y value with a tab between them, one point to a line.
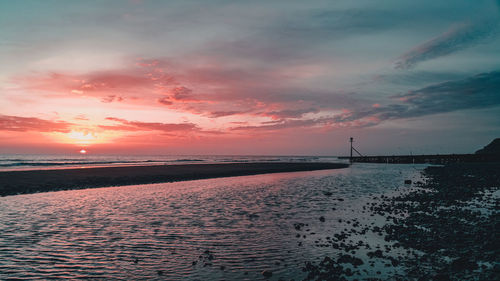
230	228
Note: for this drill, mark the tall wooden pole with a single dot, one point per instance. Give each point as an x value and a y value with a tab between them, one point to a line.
350	157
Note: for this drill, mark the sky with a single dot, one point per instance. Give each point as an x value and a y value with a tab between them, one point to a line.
249	77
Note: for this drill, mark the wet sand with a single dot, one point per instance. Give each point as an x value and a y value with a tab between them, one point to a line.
23	182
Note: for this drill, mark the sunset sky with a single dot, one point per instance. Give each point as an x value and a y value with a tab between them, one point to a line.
249	77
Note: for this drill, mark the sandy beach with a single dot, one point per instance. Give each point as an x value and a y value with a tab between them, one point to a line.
23	182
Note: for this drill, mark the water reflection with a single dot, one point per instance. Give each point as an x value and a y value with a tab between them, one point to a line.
228	228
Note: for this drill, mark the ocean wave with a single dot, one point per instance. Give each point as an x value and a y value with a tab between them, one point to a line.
49	163
186	160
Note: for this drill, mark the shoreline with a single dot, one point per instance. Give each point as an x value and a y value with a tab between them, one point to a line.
34	181
444	228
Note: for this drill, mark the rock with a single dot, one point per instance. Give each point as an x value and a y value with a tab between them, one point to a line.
407	181
350	259
298	226
463	263
322	219
267	273
441	277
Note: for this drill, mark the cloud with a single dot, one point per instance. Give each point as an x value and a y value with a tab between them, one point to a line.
267	103
126	125
181	93
273	114
479	91
178	94
107	86
165	101
81	117
476	92
217	114
279	125
459	37
206	86
24	124
111	98
290	113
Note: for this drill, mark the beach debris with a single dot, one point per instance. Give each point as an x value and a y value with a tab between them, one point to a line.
322	219
327	193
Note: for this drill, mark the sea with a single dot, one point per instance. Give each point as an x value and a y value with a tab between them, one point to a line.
232	228
10	162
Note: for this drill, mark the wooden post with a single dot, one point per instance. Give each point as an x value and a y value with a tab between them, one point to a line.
350	157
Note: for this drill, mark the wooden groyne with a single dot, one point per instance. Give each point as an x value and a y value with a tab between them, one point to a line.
426	159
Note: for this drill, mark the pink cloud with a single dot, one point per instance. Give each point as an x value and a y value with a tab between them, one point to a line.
210	88
81	117
24	124
126	125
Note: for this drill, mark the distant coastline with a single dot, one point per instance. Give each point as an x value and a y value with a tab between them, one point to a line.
24	182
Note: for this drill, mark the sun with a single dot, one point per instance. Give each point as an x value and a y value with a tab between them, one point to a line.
78	137
83	151
83	137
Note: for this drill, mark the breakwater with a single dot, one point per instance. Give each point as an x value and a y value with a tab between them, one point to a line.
429	159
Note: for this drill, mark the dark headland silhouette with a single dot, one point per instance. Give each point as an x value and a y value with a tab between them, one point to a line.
493	148
490	153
